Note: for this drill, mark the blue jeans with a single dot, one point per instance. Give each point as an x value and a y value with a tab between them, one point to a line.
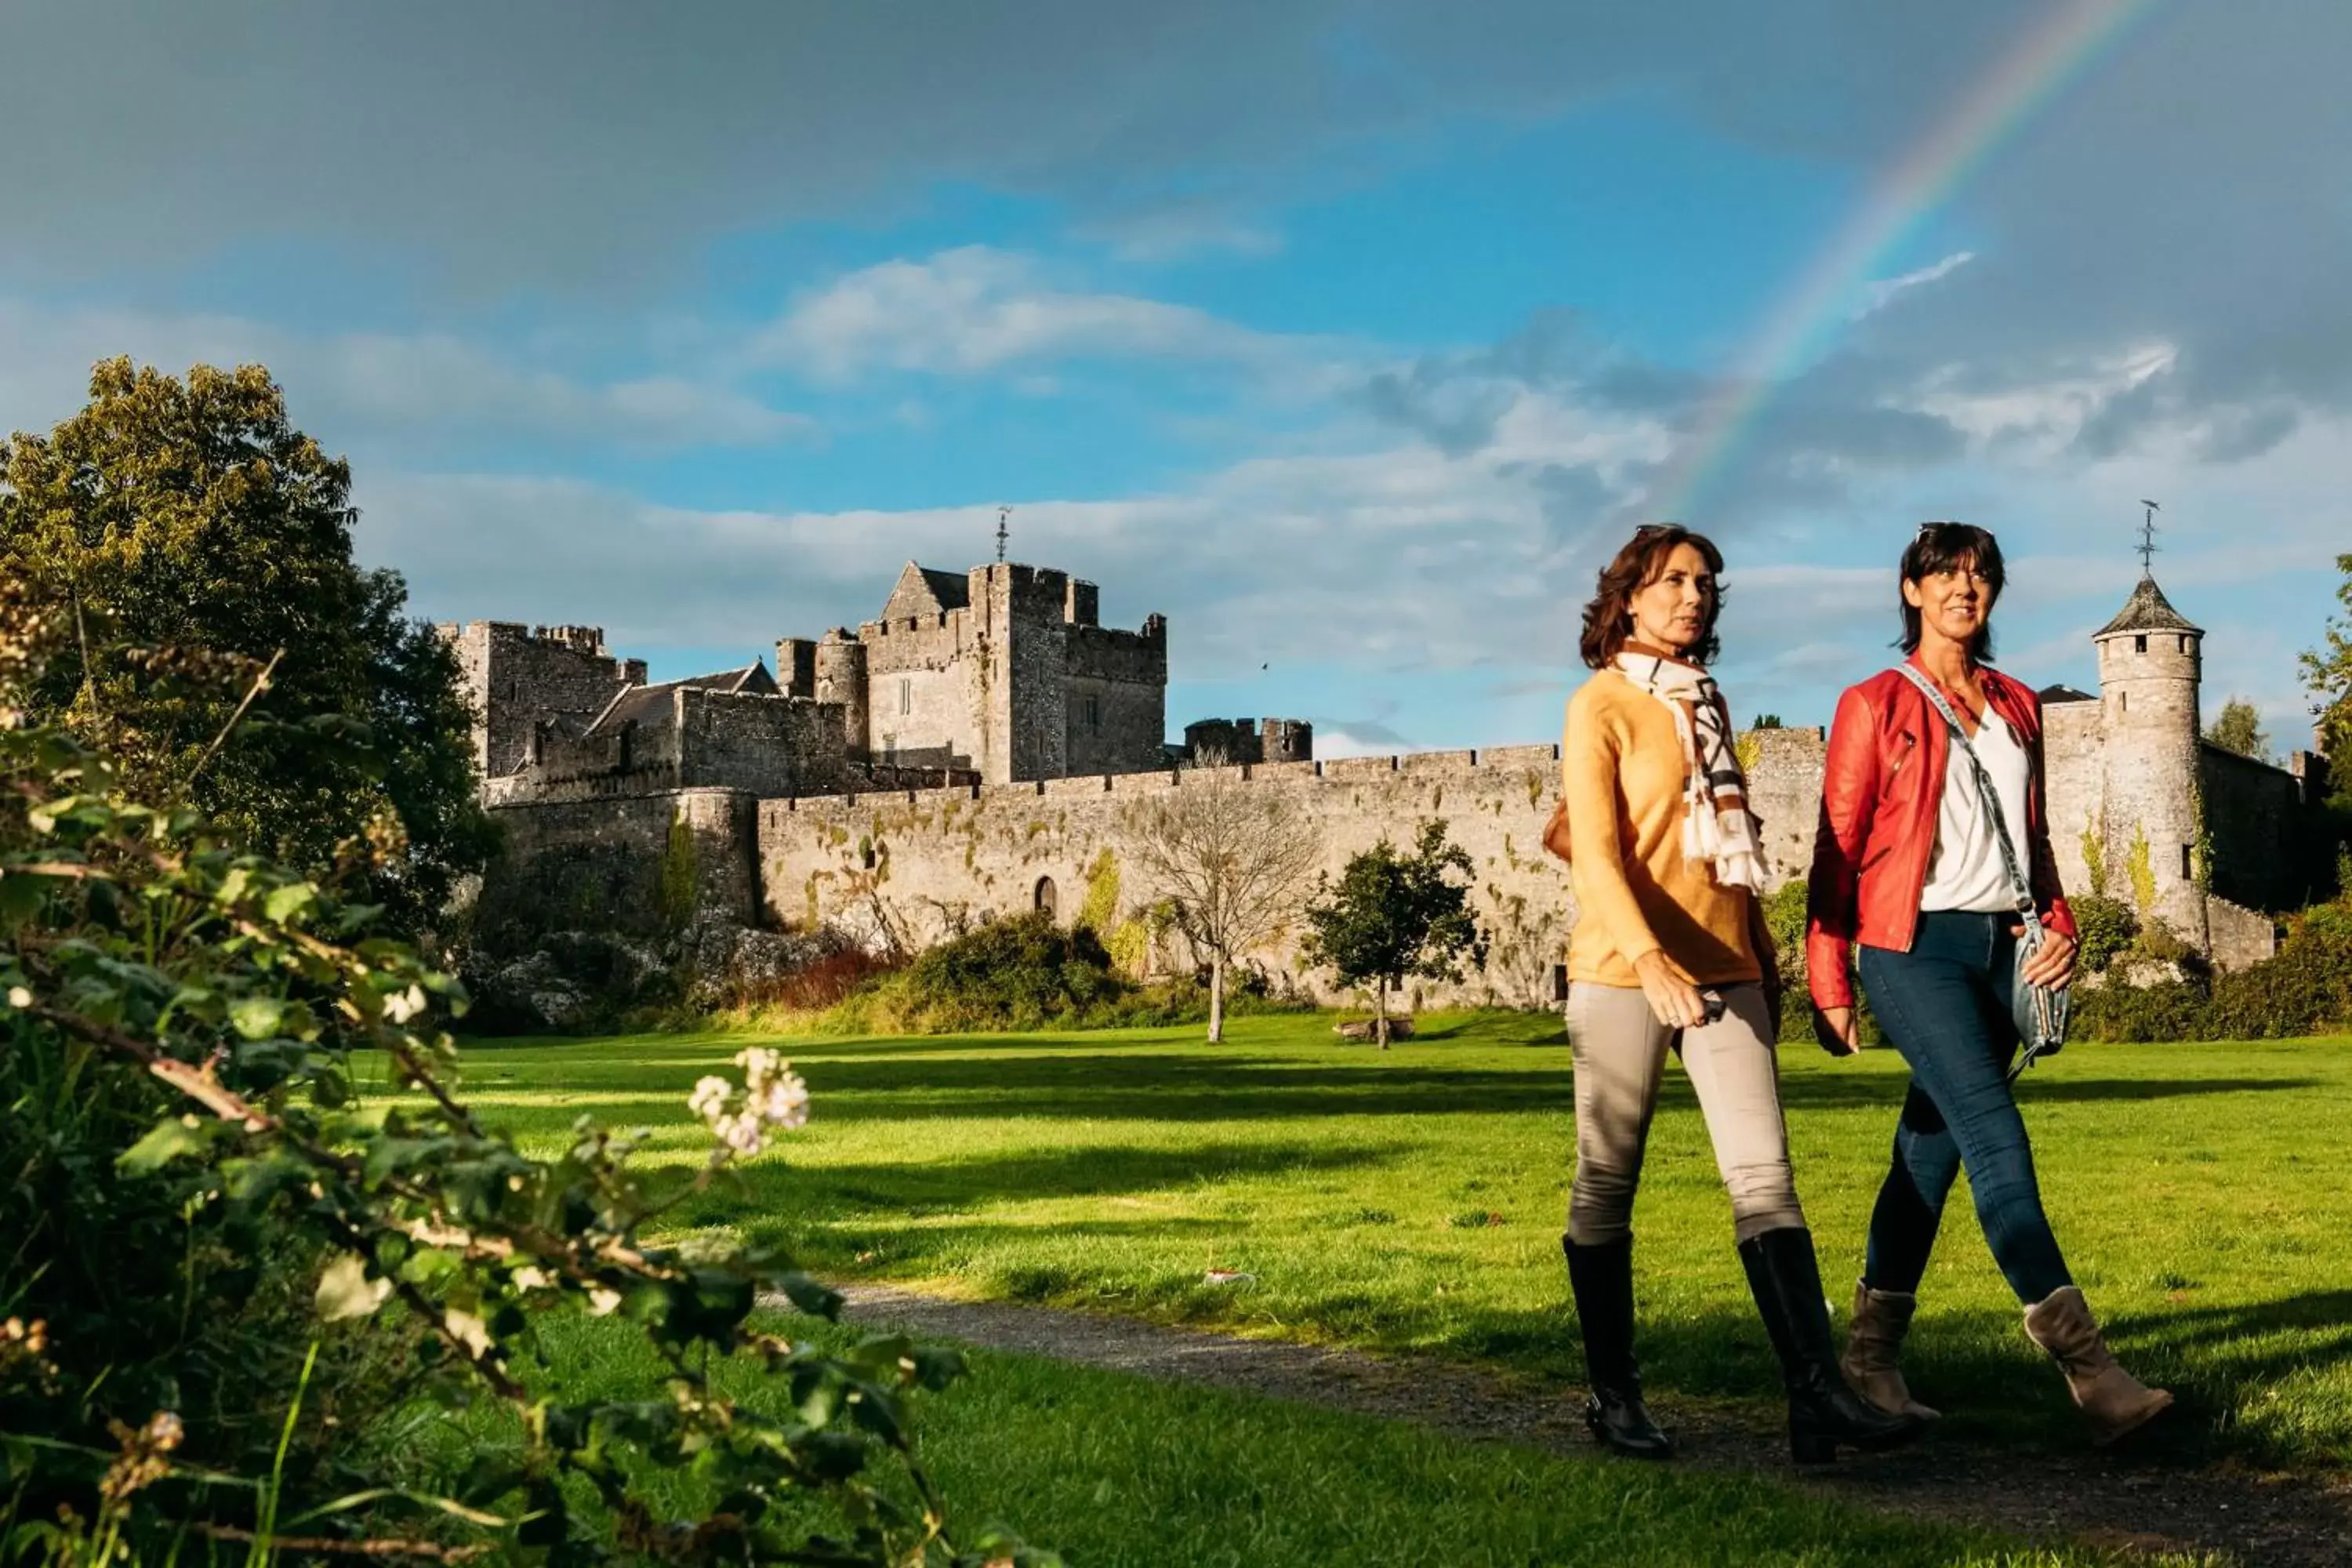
1946	1005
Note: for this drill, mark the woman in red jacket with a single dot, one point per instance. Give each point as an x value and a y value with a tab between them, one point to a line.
1910	865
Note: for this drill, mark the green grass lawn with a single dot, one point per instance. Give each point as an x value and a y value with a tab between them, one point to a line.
1413	1202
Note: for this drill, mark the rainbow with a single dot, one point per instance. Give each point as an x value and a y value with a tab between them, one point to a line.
2041	65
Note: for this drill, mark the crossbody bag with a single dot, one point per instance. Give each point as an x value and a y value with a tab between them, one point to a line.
2040	1012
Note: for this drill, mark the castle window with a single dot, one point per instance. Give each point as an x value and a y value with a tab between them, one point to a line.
2187	862
2184	643
1047	899
1560	982
2123	701
906	697
2139	642
1094	715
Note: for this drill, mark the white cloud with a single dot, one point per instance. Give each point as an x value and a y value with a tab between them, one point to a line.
1880	292
354	387
976	308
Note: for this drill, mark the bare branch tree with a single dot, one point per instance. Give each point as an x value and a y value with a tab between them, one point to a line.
1231	857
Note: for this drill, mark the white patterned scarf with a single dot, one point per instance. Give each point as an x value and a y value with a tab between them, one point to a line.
1717	825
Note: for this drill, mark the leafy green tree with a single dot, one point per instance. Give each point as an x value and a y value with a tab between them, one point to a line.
190	514
228	1272
1394	915
2239	729
2327	676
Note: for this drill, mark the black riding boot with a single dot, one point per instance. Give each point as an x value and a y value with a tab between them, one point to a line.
1603	1279
1823	1411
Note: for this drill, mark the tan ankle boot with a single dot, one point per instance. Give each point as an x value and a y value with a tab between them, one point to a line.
1874	1345
2112	1400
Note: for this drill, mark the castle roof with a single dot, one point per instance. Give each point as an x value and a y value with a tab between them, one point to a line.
2147	610
641	704
2062	692
924	590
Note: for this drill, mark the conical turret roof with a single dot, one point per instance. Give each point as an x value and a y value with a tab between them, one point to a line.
2147	610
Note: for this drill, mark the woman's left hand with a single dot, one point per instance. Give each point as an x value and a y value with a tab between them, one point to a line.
2051	967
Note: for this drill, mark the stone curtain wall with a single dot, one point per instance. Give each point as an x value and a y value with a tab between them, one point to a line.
2075	771
929	861
926	861
759	744
1784	790
641	864
755	741
2261	851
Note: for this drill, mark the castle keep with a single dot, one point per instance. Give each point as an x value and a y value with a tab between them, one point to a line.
997	675
977	750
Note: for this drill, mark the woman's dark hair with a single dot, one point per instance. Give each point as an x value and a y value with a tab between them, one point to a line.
1609	619
1949	547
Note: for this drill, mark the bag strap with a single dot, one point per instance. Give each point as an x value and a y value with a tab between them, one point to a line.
2020	888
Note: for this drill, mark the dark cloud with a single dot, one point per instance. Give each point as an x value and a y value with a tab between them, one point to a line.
539	139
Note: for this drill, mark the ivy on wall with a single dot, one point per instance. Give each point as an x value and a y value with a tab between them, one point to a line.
2095	856
2140	866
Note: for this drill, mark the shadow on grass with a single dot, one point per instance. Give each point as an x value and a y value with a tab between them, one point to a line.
1161	1088
949	1186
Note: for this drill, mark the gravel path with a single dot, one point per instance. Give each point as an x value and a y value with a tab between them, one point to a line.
2112	1500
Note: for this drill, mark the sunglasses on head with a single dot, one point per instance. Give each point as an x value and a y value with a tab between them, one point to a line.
1946	522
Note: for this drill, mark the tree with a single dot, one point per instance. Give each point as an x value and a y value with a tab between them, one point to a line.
1231	859
2240	729
190	514
1392	915
2327	675
1765	721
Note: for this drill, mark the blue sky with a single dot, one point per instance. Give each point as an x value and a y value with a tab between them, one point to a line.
1351	337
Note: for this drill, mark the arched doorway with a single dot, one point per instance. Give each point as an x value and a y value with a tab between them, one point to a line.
1048	898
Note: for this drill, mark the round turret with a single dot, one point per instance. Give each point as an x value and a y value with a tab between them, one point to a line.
840	678
2149	669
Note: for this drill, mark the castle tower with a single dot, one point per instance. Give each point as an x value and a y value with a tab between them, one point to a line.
2148	674
840	678
1286	740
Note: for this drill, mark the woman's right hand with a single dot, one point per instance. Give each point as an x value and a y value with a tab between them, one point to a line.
1673	999
1839	1033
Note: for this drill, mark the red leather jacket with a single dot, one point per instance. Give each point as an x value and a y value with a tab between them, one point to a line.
1882	787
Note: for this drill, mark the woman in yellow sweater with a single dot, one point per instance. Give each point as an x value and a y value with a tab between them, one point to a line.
1670	952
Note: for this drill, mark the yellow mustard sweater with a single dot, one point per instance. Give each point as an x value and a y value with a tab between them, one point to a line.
1621	772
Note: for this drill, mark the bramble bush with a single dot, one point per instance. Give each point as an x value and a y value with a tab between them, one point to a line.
227	1271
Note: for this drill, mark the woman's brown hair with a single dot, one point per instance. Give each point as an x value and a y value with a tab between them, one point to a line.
1609	619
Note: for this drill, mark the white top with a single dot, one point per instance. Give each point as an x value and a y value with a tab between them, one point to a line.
1966	872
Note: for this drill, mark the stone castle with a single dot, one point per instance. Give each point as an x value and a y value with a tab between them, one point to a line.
978	748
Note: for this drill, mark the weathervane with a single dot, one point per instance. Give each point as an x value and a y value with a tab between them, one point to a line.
1004	514
2147	545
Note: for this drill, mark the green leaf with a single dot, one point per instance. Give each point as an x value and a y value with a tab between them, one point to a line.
164	1142
256	1017
284	903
